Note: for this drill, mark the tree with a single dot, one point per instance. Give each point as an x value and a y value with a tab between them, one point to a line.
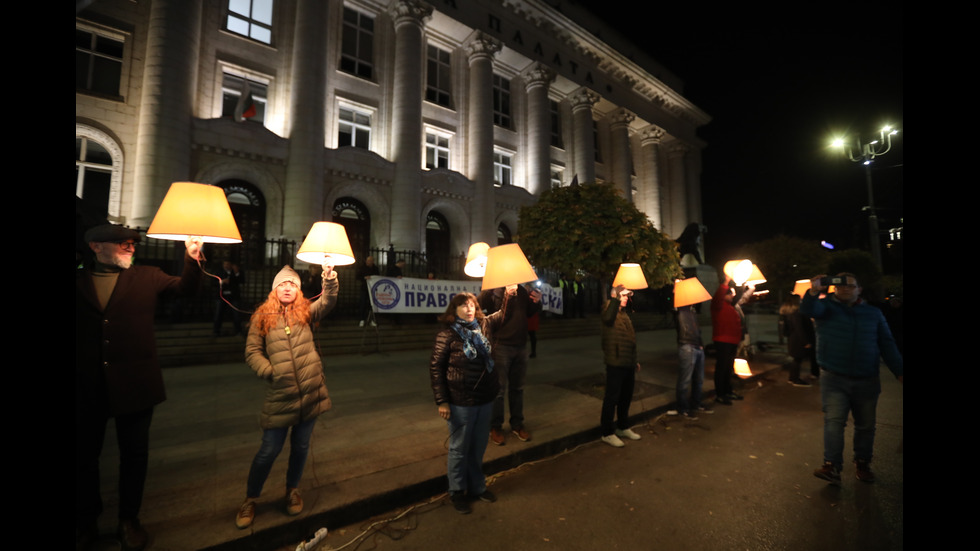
592	228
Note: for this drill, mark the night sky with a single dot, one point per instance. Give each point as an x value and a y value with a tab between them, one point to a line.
778	87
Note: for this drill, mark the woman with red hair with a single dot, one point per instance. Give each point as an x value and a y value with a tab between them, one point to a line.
280	349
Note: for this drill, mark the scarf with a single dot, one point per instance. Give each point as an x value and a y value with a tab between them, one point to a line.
474	342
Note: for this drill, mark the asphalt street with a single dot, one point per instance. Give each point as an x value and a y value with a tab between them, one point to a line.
740	478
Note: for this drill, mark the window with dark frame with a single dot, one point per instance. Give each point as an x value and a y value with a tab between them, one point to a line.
251	18
357	44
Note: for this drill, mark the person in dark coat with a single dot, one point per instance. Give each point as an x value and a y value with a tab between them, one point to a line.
116	371
619	353
800	336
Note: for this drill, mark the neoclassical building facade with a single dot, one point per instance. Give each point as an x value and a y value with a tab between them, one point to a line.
422	125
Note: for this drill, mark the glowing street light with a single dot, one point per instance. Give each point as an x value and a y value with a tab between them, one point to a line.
865	154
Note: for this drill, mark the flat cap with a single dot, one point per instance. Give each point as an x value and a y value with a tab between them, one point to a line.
111	233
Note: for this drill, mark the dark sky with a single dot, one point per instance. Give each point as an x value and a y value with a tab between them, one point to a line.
778	81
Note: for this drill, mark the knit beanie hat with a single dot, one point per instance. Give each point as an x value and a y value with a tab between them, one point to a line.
286	274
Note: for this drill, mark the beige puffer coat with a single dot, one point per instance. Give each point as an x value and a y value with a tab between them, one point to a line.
290	362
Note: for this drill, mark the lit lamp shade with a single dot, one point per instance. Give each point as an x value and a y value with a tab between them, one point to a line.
476	260
689	291
755	277
742	368
326	244
507	265
195	210
738	270
802	286
630	275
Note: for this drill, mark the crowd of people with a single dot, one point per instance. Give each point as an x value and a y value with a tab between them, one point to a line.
477	369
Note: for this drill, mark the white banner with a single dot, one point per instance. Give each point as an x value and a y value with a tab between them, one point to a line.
407	295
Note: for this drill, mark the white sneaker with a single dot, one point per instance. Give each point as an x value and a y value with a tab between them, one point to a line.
613	441
373	324
361	324
628	433
673	412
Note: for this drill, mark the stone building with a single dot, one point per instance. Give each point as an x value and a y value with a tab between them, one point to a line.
425	126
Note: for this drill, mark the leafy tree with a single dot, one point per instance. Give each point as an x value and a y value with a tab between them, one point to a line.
592	228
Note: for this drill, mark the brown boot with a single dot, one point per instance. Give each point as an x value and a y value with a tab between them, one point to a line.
294	503
863	472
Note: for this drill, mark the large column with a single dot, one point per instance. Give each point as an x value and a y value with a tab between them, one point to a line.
163	135
537	78
303	196
406	122
678	215
648	196
583	140
622	165
481	49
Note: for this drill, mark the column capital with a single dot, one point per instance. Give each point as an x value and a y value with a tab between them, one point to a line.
583	98
537	75
620	117
413	12
652	135
678	149
480	45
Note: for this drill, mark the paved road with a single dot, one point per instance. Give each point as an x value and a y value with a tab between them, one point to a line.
739	479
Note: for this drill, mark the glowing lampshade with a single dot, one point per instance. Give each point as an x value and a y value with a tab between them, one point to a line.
738	270
689	291
755	277
326	244
195	210
507	265
630	275
476	260
802	286
742	368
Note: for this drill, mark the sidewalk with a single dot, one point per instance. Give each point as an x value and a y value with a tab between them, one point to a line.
381	447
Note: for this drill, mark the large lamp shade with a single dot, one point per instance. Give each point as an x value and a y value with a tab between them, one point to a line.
689	291
195	210
630	276
755	277
326	243
507	265
476	260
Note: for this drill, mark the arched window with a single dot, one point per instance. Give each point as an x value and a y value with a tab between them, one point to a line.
437	241
503	235
98	170
356	220
248	207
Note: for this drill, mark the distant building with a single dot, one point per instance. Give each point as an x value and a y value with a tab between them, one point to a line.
422	125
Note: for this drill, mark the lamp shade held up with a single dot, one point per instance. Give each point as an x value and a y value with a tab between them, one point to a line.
326	243
476	260
630	276
507	265
195	210
689	291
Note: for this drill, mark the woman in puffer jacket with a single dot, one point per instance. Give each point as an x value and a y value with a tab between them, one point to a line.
280	349
464	385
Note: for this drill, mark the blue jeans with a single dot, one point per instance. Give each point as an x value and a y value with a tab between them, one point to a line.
272	443
510	363
469	430
690	377
841	395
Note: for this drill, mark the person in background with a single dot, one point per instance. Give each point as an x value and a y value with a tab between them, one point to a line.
800	337
619	350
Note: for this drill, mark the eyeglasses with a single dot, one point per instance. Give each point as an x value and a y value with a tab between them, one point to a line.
127	245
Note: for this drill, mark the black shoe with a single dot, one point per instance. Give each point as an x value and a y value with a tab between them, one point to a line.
487	496
734	396
799	383
460	503
828	472
723	400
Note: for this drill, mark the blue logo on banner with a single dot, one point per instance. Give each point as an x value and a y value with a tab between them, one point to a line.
385	294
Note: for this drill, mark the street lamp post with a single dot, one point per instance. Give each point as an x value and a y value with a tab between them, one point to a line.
865	154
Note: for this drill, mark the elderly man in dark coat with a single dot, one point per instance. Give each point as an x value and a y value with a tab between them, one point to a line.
116	371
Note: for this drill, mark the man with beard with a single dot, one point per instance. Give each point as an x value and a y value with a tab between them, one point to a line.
116	371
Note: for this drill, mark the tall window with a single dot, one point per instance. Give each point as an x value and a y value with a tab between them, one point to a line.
502	162
243	98
353	127
438	77
557	175
357	47
93	174
501	101
555	112
98	62
251	18
436	148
